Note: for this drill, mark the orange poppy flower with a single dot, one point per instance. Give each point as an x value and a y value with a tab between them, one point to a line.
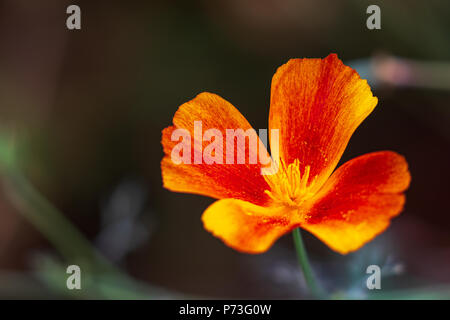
316	104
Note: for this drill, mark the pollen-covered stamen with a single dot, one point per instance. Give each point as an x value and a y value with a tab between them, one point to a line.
290	186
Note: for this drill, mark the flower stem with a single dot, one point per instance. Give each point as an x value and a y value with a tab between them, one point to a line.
303	261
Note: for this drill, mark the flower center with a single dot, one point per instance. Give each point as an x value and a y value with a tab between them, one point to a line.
289	186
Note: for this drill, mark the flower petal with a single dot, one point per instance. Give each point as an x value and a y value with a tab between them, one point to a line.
317	104
246	227
240	181
358	200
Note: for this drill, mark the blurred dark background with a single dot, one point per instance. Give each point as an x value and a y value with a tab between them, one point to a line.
87	108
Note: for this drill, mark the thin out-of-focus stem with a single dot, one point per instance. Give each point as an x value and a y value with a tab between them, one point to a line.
68	241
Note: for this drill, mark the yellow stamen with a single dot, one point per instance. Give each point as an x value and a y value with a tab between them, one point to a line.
289	186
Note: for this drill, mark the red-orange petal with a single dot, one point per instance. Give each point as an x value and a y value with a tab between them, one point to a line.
246	227
239	181
358	200
317	104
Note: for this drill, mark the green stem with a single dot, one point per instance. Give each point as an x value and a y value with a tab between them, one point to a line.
303	261
68	241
